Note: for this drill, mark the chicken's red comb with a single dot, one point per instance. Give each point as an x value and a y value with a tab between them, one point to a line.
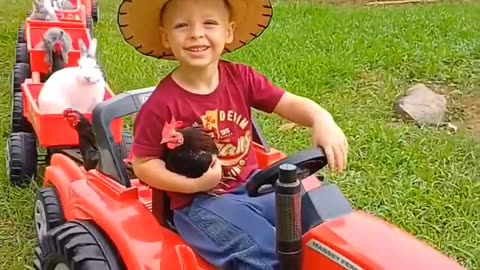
67	112
168	130
171	127
57	46
71	116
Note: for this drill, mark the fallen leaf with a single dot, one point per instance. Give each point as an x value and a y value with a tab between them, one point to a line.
287	126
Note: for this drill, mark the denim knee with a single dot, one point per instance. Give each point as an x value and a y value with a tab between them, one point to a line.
222	243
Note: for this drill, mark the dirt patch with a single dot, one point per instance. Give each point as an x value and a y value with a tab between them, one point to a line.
469	110
463	110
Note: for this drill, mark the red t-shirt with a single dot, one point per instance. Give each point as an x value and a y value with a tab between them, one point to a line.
226	112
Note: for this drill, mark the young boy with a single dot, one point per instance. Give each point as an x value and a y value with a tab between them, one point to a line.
230	230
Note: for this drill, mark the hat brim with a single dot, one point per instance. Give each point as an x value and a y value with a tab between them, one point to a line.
139	23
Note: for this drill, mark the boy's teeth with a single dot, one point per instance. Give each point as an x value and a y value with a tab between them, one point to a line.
197	49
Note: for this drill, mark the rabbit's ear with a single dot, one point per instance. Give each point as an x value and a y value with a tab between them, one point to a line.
36	4
93	48
83	49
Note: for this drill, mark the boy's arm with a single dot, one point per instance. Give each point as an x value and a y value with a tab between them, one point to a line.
326	133
302	111
269	98
152	171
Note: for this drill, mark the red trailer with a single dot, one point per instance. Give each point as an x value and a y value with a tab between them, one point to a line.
34	37
47	131
29	62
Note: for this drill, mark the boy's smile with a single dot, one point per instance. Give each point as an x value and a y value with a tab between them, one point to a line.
196	31
197	51
198	48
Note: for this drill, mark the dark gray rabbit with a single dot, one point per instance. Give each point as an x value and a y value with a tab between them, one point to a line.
43	12
63	5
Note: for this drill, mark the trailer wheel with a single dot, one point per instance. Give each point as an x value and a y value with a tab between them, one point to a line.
21	35
95	11
21	71
21	158
76	245
48	212
90	25
21	53
19	122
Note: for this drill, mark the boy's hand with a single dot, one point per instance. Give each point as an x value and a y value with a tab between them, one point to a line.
210	178
329	136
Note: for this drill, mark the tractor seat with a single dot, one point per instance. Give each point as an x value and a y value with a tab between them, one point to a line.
161	209
160	201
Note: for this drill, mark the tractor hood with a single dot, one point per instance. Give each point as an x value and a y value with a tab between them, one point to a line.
359	241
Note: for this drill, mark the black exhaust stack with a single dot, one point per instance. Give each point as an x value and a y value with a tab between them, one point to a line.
288	218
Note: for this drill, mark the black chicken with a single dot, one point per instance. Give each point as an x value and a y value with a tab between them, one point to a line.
189	151
87	145
57	56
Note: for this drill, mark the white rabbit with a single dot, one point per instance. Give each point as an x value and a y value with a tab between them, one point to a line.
79	88
43	11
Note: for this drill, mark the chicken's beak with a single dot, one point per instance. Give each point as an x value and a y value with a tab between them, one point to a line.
164	141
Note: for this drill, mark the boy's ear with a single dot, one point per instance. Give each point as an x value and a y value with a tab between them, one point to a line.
164	37
230	32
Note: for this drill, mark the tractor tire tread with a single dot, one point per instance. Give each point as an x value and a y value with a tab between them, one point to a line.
79	245
52	207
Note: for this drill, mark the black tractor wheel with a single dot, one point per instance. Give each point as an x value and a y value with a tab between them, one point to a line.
21	71
19	122
126	144
21	35
47	212
76	245
21	53
95	11
21	158
90	25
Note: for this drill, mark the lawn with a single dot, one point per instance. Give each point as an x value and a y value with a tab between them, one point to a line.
355	62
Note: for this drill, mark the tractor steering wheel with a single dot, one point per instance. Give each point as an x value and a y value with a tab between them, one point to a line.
308	162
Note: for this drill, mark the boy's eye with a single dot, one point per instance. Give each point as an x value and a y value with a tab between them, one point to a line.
211	22
178	25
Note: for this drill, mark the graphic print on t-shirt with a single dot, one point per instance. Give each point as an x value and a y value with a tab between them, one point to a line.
232	136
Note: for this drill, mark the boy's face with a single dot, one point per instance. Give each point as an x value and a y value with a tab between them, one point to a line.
196	30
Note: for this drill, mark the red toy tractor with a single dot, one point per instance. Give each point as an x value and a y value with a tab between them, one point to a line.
105	218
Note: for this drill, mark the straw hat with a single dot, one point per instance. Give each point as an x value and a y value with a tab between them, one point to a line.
139	22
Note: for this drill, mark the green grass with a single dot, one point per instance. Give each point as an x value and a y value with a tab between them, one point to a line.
354	62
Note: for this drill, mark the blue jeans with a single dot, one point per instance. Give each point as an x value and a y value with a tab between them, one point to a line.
232	231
